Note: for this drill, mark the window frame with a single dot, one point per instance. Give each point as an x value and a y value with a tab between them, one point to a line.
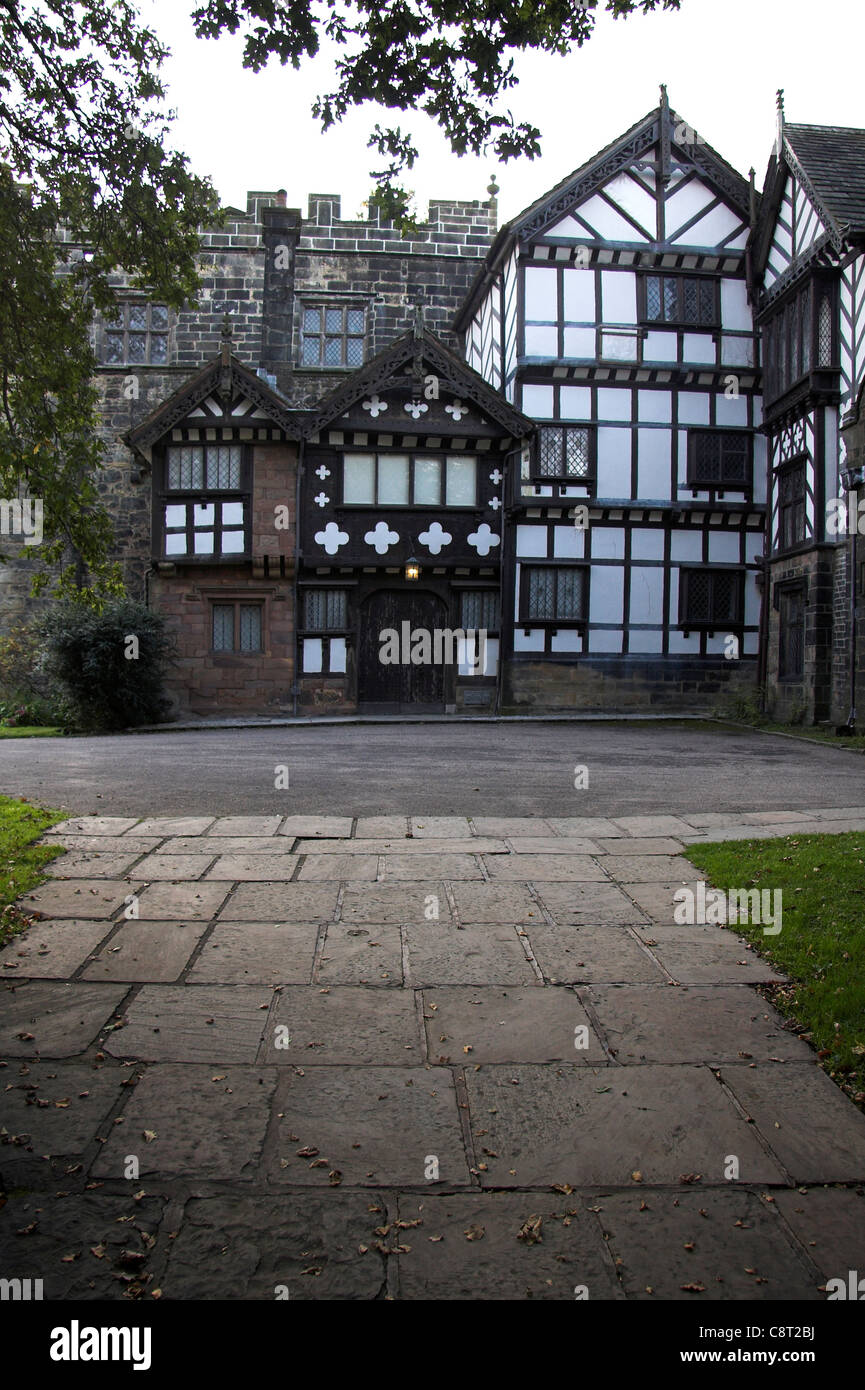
344	307
713	624
679	321
107	326
328	629
797	464
527	621
484	593
215	601
567	479
722	484
777	342
413	456
784	592
189	497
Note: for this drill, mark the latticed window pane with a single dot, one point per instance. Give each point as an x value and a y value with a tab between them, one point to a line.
333	320
670	299
550	453
479	611
223	467
569	599
699	597
724	598
137	347
158	317
325	608
691	303
354	321
311	352
250	627
792	634
653	297
138	316
186	468
223	627
354	352
159	348
824	330
312	320
542	594
707	301
577	453
806	331
113	348
313	608
332	352
336	608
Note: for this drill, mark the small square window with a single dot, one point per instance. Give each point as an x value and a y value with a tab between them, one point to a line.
332	335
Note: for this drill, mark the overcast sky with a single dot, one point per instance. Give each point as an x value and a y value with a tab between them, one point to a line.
722	61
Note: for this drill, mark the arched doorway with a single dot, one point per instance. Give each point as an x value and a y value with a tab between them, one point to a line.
406	688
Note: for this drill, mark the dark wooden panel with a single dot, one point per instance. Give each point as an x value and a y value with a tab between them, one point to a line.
390	688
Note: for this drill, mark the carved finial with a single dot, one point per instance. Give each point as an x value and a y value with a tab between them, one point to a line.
779	139
492	187
418	319
665	160
779	100
664	101
752	195
225	340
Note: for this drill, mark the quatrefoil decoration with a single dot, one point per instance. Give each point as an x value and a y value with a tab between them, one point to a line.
435	538
496	476
457	410
416	409
375	406
331	538
381	538
483	539
322	472
321	500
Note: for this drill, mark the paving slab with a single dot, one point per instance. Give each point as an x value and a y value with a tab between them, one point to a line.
88	898
192	1121
237	1248
493	1262
382	827
676	1023
361	955
487	1024
577	955
275	901
836	813
53	950
495	902
143	950
245	825
707	956
394	902
776	817
173	867
810	1124
257	953
455	845
55	1110
829	1222
68	1228
698	1246
615	848
553	844
174	825
652	825
657	900
506	826
311	827
92	864
340	866
446	827
43	1019
104	844
227	844
595	827
486	952
449	866
713	820
372	1126
588	904
346	1025
254	867
181	900
587	1127
93	825
554	868
647	868
193	1023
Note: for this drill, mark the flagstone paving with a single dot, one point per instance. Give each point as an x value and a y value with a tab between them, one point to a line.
410	1057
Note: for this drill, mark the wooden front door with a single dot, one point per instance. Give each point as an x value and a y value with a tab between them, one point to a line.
404	688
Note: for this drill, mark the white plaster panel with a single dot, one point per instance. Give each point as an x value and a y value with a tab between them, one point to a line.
337	655
608	543
614	461
579	295
698	347
607	221
655	407
579	342
653	463
575	402
538	402
645	641
679	644
312	654
606	593
618	296
737	352
531	641
541	342
735	309
541	300
532	542
723	548
686	546
647	544
647	594
605	642
693	408
614	403
731	410
568	543
659	346
567	641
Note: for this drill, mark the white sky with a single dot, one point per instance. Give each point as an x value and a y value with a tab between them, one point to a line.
722	61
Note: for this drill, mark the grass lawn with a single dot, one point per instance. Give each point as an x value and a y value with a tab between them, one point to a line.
821	945
31	731
20	860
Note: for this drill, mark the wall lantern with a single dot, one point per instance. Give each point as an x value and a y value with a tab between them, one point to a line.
412	568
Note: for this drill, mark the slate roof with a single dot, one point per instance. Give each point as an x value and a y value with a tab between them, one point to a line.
833	157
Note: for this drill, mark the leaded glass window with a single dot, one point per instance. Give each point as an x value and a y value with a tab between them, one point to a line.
401	480
556	593
565	453
237	627
720	458
791	506
137	336
710	597
791	634
332	335
479	610
325	609
684	299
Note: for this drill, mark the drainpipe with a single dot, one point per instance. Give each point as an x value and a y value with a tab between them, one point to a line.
763	636
851	480
296	591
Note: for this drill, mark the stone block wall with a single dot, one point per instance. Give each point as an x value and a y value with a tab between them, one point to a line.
625	685
809	700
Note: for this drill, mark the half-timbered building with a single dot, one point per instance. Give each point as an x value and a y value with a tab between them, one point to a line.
609	453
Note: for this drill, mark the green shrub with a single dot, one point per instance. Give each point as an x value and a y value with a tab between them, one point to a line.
108	667
25	690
